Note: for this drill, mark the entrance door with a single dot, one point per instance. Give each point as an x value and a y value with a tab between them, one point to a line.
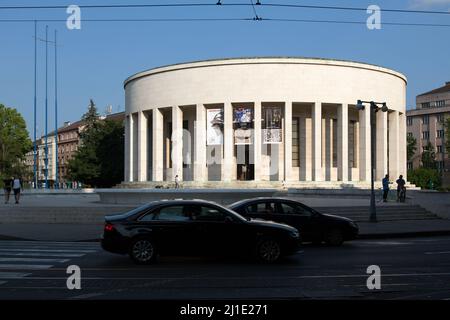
245	169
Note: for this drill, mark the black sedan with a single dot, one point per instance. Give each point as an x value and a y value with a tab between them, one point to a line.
314	226
195	227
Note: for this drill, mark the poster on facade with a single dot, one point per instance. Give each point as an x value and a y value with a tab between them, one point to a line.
271	128
214	127
242	123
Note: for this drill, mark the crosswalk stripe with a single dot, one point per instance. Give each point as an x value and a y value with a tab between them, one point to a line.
48	250
25	266
31	254
13	275
33	260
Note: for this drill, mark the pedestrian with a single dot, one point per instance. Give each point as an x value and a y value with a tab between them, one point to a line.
17	186
7	185
177	182
401	189
385	183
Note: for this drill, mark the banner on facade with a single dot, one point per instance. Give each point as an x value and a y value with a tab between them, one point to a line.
271	127
243	124
214	130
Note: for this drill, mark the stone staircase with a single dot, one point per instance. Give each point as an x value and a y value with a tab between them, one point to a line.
280	185
384	213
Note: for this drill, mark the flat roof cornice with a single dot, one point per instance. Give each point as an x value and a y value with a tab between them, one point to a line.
263	60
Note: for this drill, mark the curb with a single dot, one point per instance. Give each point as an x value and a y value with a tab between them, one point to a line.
412	234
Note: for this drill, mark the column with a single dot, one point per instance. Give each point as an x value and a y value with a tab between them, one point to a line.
177	142
157	144
131	148
342	142
127	173
228	142
305	149
317	142
402	146
288	141
381	145
364	144
142	146
200	143
394	140
257	140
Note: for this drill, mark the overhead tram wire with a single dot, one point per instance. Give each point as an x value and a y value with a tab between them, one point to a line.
405	24
213	3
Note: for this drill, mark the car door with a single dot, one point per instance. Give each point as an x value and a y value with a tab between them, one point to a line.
301	217
171	227
216	230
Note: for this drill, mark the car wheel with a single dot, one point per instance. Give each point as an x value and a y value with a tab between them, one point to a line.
143	251
268	250
334	237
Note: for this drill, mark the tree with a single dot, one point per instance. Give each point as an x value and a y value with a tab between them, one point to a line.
429	157
99	161
14	142
412	147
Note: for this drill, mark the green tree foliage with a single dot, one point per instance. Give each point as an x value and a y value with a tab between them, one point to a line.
429	157
425	178
14	142
411	147
99	160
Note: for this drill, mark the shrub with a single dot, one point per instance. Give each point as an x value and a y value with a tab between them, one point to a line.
425	178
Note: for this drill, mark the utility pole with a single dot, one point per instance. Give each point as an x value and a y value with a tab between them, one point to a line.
373	140
46	109
56	118
35	177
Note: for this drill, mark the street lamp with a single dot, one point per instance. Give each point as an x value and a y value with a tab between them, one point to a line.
374	108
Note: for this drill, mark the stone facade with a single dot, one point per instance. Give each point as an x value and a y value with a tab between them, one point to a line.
426	124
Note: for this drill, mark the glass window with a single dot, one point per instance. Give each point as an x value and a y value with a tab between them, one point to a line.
292	208
205	213
262	208
172	213
426	119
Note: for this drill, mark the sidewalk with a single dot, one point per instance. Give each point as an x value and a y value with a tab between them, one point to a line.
92	232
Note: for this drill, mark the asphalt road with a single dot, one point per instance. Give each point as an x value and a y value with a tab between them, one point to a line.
410	269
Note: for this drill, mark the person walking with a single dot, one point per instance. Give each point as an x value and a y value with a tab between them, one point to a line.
7	186
17	186
177	182
401	189
385	183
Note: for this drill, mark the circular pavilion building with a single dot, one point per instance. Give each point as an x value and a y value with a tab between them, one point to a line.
263	119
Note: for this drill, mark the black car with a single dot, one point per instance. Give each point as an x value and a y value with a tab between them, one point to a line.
314	226
195	227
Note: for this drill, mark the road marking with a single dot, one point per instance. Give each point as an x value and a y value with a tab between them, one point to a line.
13	275
48	250
62	255
33	260
438	252
25	266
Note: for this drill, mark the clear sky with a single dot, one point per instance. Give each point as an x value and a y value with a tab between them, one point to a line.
95	60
